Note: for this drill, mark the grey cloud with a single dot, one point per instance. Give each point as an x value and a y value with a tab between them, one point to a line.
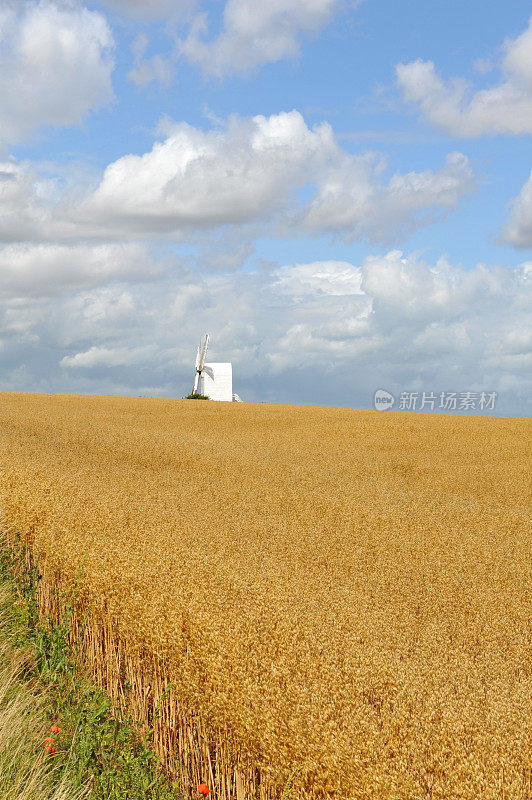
49	269
324	333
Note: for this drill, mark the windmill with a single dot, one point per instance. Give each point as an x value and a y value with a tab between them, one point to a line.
200	361
216	378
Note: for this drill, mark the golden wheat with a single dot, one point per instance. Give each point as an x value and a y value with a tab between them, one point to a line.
344	590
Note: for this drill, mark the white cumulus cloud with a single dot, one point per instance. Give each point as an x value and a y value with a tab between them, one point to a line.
55	65
319	278
352	202
248	171
251	169
255	33
196	178
454	107
518	230
156	69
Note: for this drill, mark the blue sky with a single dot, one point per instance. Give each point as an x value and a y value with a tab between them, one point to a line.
339	192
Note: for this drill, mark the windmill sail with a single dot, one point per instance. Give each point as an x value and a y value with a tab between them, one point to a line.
200	361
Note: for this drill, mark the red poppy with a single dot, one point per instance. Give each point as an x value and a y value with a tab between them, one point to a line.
49	740
50	749
55	729
203	789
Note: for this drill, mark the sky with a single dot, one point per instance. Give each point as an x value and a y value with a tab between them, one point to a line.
339	192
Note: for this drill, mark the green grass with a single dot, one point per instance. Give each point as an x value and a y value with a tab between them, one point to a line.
100	753
26	771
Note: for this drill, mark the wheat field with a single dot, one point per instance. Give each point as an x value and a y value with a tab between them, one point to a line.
345	590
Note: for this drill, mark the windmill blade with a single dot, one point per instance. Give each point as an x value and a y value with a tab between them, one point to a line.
203	354
198	355
208	371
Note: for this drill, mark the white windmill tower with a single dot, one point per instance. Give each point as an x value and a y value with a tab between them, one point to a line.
200	361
